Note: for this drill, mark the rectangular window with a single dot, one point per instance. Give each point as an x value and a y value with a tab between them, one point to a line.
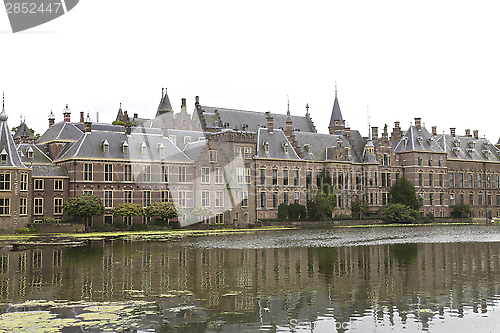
205	175
440	161
431	180
470	180
146	198
244	201
219	218
212	156
58	184
182	198
275	176
173	139
127	196
296	197
108	172
248	152
479	180
262	176
296	177
219	199
88	173
275	199
489	200
384	182
247	176
239	174
108	199
58	204
471	199
245	217
88	192
488	181
285	177
4	181
218	176
285	197
187	139
452	199
262	199
497	181
460	179
205	198
38	209
498	199
237	151
38	184
431	199
420	179
165	196
430	160
480	199
452	179
24	182
441	199
461	196
164	173
23	206
146	173
182	174
420	160
441	180
127	173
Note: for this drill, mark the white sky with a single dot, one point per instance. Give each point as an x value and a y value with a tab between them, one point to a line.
438	60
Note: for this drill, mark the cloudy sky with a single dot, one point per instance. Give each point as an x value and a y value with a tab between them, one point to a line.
438	60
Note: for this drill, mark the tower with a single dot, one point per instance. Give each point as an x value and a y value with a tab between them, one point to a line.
336	120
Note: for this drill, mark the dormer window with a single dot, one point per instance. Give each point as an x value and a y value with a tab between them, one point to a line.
105	146
420	139
266	147
308	148
30	152
161	149
472	143
405	141
244	127
144	148
125	147
285	148
3	155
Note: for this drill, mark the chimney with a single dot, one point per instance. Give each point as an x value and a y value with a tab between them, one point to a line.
128	129
67	114
467	132
183	105
289	127
434	130
476	134
417	123
396	132
197	100
52	119
347	132
270	119
452	131
88	124
82	116
136	115
385	135
374	133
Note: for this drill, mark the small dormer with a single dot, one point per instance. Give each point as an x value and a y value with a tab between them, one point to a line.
161	149
226	125
125	147
144	148
472	143
339	142
470	150
456	150
420	140
244	127
431	140
487	153
266	147
105	146
405	140
296	129
307	148
456	142
30	152
3	156
285	147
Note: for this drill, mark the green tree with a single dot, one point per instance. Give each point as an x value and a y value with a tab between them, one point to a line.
403	192
322	206
128	210
86	205
325	182
461	210
164	210
399	213
118	122
358	207
283	210
296	210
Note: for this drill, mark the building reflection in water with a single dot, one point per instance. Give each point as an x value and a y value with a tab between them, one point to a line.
264	287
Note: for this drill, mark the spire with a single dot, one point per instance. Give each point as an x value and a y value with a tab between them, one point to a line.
307	109
336	120
288	110
165	105
3	115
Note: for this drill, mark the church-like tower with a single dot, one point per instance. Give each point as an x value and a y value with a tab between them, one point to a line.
336	120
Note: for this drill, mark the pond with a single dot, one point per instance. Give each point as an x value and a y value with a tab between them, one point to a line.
412	279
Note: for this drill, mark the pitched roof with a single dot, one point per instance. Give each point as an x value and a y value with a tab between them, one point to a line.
23	132
320	143
336	114
415	139
62	131
237	119
164	103
468	148
277	143
193	149
7	146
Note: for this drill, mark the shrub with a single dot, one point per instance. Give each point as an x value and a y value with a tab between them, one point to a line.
101	228
296	210
48	219
461	210
283	211
27	230
139	227
119	224
399	213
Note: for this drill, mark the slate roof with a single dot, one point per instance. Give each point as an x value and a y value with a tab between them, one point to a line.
368	157
277	142
181	134
336	114
7	144
236	119
320	143
55	171
23	132
62	131
90	145
194	149
39	156
468	148
164	104
415	139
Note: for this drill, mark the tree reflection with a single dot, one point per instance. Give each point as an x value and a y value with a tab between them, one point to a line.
405	254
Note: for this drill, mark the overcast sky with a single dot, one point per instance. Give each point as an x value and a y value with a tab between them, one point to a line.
438	60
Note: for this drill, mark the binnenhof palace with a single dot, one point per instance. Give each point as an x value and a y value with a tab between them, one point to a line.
240	164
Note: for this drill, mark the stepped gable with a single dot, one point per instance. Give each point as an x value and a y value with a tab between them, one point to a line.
418	138
8	153
277	141
220	118
194	149
321	145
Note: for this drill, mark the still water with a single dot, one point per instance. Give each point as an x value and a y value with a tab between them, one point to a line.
413	279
